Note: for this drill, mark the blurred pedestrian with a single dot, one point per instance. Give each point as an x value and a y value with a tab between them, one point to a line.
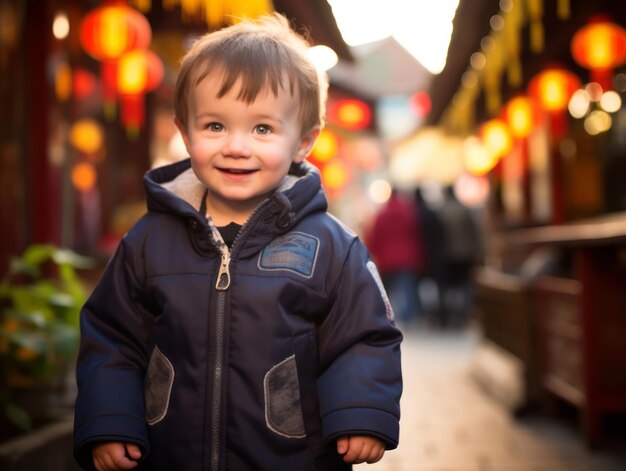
462	251
433	267
395	242
238	325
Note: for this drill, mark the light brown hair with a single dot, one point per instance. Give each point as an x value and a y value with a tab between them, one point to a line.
258	54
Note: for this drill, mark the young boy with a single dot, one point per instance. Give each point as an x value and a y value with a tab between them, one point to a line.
239	326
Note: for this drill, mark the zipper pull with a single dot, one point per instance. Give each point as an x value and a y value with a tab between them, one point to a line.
223	276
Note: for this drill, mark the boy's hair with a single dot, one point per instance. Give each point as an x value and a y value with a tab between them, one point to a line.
263	54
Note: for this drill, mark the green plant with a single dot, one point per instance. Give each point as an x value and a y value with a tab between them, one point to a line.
40	301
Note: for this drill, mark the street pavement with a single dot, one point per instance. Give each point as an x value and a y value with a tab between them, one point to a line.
450	424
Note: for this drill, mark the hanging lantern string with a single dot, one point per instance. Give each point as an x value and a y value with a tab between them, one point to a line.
563	9
216	13
535	12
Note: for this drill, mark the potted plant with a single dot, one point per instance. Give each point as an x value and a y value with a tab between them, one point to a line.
40	300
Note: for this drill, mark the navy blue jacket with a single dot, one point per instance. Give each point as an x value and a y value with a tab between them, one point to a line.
253	358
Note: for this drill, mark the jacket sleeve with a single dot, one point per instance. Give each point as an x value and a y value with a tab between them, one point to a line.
359	346
115	326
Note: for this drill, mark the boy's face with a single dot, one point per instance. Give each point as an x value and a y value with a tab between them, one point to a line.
242	152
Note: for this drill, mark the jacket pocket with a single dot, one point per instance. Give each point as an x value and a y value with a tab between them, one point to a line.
158	386
283	413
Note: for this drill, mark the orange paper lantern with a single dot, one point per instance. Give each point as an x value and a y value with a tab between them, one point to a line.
84	176
600	47
518	113
553	88
139	71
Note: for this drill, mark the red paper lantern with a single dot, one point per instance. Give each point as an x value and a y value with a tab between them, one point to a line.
109	31
600	46
351	114
106	33
83	83
420	104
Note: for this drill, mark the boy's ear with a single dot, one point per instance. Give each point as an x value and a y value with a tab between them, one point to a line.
307	141
183	133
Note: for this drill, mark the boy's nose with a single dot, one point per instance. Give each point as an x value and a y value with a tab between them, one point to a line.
236	146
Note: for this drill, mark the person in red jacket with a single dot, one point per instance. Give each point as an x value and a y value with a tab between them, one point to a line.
395	243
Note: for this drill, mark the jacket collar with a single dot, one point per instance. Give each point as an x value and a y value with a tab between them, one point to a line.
175	189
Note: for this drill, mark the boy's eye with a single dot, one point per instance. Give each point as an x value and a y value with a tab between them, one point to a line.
214	127
263	129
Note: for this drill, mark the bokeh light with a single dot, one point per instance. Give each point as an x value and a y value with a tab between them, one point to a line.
610	101
379	191
60	26
597	122
86	135
579	103
323	57
472	190
83	176
326	146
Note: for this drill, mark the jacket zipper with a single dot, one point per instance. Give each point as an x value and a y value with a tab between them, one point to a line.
223	276
216	407
221	285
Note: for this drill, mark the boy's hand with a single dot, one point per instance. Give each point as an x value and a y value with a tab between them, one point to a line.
360	449
115	456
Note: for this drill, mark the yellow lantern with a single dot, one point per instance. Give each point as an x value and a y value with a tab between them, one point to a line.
519	116
496	137
477	159
335	176
326	146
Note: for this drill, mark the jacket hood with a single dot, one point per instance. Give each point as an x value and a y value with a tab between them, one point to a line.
175	189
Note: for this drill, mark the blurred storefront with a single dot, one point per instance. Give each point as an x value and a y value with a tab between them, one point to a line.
532	102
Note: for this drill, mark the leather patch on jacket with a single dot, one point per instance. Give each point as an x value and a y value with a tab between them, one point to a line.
283	413
295	252
158	386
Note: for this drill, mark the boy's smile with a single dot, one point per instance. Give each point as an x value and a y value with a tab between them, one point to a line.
241	151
